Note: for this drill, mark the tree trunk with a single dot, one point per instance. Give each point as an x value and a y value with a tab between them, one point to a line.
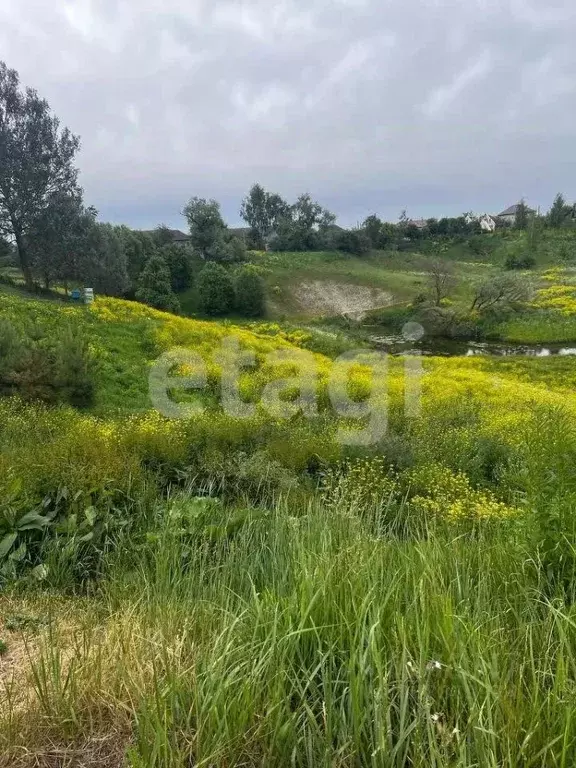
24	262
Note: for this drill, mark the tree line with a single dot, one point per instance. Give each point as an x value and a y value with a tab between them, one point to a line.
58	239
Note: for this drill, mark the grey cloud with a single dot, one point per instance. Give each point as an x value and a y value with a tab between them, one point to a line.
431	105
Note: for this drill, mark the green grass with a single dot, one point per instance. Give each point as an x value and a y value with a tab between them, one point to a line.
412	606
312	638
539	327
400	274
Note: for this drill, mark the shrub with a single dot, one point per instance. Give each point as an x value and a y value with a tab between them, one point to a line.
154	287
520	261
10	350
250	293
215	290
354	241
179	265
74	369
38	368
227	250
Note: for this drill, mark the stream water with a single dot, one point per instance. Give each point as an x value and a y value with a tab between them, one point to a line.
398	345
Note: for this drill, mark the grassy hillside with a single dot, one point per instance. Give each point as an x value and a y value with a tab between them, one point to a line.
228	590
305	286
388	278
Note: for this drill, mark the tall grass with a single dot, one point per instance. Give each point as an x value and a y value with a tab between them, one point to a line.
310	638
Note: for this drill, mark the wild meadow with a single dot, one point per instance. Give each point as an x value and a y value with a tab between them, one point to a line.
225	591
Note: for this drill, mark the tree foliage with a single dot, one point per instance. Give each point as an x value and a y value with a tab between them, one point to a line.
39	367
503	290
58	239
206	224
559	213
215	290
262	210
354	241
250	293
36	161
303	227
138	248
106	267
179	265
441	278
154	287
521	215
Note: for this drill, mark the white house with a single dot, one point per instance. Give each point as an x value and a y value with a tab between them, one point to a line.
487	223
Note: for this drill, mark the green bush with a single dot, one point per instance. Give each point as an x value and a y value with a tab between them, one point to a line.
178	260
250	293
354	241
520	261
154	286
37	367
227	250
74	370
215	290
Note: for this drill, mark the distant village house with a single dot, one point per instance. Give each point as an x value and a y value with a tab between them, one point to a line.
178	237
509	215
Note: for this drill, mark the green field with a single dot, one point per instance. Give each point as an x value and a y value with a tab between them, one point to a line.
217	590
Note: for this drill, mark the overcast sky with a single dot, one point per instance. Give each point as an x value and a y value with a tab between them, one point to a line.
435	106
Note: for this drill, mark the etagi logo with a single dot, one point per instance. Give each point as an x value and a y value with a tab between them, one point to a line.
293	372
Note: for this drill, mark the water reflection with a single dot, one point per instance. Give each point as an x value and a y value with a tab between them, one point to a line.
397	345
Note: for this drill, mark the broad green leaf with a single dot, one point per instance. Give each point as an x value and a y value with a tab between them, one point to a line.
6	543
32	521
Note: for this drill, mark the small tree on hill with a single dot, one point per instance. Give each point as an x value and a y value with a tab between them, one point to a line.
74	369
441	278
521	215
373	227
559	212
179	266
154	286
215	290
500	291
250	293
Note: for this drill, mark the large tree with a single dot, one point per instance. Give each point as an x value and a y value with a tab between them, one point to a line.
261	210
304	226
105	263
58	239
206	224
36	161
138	248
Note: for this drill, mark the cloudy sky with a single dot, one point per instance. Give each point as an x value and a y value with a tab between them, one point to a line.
435	106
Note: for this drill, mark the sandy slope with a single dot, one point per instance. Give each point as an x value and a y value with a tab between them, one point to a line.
328	297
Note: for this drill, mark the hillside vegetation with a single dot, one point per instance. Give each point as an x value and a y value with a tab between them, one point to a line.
235	533
224	590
